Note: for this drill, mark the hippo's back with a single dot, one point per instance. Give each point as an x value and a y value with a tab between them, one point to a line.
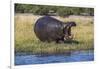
48	28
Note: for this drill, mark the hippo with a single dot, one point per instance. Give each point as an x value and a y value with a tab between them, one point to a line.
50	29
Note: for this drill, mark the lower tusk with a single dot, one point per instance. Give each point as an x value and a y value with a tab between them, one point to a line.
70	37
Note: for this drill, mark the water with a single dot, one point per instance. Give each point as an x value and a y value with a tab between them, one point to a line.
75	56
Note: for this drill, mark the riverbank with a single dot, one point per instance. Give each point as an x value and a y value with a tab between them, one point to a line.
27	42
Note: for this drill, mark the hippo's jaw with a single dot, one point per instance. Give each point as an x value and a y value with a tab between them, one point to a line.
68	37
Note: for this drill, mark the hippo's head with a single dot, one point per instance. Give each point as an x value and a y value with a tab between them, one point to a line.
67	30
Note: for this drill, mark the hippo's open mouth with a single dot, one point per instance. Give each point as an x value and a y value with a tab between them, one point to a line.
68	35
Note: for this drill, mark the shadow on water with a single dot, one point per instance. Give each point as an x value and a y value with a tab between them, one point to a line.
71	42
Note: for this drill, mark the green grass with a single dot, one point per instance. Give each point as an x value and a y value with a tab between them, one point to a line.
27	42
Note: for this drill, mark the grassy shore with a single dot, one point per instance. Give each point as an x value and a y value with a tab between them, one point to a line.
27	42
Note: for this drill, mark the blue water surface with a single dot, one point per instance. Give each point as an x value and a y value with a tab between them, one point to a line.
75	56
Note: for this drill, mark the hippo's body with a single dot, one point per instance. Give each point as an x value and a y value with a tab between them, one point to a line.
50	29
